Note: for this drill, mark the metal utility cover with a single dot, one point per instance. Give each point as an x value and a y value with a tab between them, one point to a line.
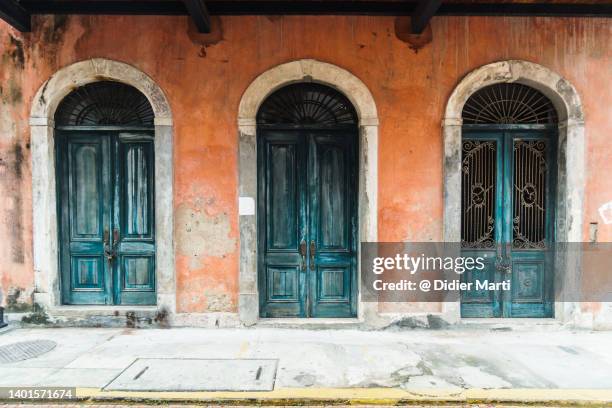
156	374
25	350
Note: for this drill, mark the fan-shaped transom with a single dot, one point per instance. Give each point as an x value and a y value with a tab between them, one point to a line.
105	103
307	104
509	103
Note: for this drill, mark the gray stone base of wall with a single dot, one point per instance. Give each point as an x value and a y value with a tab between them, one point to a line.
153	317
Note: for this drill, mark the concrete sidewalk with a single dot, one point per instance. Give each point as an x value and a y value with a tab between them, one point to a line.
320	365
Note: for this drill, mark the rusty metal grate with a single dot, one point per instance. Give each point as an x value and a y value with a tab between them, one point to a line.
24	350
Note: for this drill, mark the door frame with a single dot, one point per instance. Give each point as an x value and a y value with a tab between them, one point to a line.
570	166
44	201
305	70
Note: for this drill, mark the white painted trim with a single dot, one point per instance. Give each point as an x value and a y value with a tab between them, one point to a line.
44	202
355	90
571	161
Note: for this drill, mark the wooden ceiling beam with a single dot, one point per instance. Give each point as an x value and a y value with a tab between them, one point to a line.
309	7
421	15
15	15
199	14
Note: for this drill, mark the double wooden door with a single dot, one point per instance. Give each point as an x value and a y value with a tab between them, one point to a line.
106	216
508	206
307	223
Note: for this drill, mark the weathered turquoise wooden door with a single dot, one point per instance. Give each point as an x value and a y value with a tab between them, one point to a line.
85	191
332	232
508	204
134	219
107	234
307	223
282	225
105	182
307	204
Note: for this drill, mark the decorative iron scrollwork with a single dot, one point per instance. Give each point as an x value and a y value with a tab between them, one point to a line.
307	104
528	195
529	201
105	103
509	103
478	194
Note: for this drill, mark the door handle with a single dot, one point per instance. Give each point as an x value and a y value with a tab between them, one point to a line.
110	247
303	254
313	251
115	238
503	266
108	250
115	241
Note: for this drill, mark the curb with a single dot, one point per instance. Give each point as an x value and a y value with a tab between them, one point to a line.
356	396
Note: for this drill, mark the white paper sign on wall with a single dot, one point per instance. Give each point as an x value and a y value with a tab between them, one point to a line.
246	206
605	211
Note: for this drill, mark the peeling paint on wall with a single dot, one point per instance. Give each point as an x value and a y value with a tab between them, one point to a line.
200	235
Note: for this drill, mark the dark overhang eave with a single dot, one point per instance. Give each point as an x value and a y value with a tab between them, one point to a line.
17	13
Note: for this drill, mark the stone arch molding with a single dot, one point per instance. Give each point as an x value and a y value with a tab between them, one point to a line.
304	70
571	160
46	100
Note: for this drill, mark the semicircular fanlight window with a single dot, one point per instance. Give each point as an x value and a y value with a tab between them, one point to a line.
105	103
509	103
307	104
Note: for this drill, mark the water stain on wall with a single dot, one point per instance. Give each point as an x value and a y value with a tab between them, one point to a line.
14	213
200	235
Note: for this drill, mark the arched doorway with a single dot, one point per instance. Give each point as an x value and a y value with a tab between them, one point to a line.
307	172
508	199
105	172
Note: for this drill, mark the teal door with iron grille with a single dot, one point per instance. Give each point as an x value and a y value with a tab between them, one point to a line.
508	190
307	204
105	172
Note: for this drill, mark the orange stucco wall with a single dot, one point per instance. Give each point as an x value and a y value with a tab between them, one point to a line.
204	85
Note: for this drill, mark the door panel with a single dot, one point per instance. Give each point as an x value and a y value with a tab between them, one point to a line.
135	216
481	221
307	223
520	216
283	225
281	230
105	184
85	185
84	188
87	272
283	283
480	303
531	233
331	180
